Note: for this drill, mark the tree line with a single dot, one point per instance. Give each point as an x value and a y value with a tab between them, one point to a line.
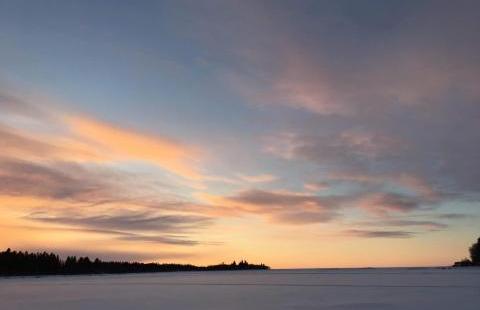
18	263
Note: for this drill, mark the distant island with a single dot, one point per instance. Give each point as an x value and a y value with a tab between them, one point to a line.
474	257
17	263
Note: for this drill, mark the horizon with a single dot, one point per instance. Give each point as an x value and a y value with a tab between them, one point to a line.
79	255
298	134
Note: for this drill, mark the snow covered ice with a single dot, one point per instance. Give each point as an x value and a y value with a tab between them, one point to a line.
393	288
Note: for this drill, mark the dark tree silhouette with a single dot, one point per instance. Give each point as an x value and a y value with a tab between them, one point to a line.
14	263
475	253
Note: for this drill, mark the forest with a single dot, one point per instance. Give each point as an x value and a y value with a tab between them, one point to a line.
18	263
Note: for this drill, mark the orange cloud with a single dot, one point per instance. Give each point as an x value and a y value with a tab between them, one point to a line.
93	141
121	144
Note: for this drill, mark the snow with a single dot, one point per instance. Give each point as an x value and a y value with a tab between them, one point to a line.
394	288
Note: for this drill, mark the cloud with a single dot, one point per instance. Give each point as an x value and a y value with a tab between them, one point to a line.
428	225
19	106
304	217
386	203
122	144
279	206
87	186
59	181
346	150
379	233
18	145
453	216
431	225
412	183
279	199
71	170
260	178
316	186
370	166
305	207
79	140
124	225
391	97
127	221
70	137
160	239
301	84
355	69
116	234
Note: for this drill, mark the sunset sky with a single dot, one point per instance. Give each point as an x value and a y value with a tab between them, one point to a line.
294	133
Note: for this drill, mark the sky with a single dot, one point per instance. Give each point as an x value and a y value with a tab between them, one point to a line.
294	133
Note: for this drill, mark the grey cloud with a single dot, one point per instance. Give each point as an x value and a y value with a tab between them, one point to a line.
300	208
379	233
90	185
16	144
391	202
304	217
128	221
290	208
117	234
453	216
425	224
160	239
281	200
14	105
59	182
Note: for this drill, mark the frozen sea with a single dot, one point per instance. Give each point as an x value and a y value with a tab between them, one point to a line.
394	288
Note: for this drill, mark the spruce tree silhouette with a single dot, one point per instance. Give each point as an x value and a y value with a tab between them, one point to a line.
475	253
474	256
